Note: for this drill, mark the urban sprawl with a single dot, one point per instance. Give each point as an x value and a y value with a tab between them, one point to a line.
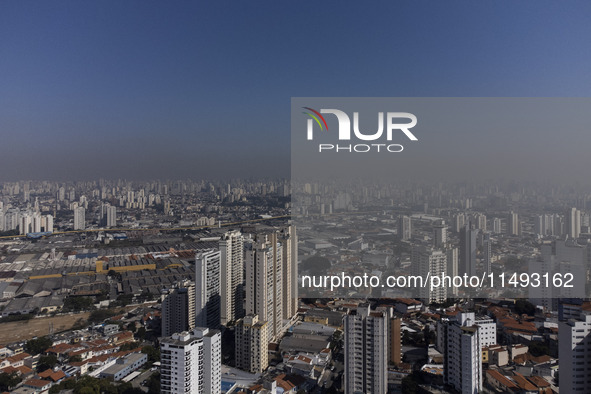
231	287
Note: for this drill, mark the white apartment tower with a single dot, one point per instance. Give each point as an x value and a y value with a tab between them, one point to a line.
79	218
574	353
573	223
366	351
191	362
232	276
108	215
207	289
497	225
264	281
426	260
459	341
252	341
212	354
513	227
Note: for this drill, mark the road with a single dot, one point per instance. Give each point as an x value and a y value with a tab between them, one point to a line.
136	383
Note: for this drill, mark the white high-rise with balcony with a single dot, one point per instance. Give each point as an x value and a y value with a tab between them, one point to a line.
459	341
574	353
79	218
207	289
191	362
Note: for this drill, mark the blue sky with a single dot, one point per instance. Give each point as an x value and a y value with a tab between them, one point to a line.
151	89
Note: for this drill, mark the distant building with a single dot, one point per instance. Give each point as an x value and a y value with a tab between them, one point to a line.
404	228
497	226
487	253
108	215
514	227
573	223
426	260
79	218
366	351
440	234
467	260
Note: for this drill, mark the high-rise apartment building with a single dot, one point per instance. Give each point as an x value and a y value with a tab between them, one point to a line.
79	218
212	356
191	362
207	289
395	341
487	253
467	261
231	247
459	341
404	228
366	351
440	234
251	344
108	215
514	226
497	225
428	261
178	309
287	237
264	281
574	353
573	223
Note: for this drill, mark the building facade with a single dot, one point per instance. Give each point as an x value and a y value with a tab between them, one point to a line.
252	341
231	247
366	351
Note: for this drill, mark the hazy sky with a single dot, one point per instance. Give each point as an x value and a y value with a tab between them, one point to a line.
152	89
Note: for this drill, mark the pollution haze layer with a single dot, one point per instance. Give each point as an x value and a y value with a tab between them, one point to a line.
145	90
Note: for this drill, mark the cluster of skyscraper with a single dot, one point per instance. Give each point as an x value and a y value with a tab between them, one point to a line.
249	280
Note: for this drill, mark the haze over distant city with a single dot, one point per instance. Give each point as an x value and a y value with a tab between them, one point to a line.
146	90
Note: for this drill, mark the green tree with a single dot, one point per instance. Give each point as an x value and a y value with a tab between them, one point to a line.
409	385
39	345
46	362
76	304
129	346
524	307
9	380
538	349
153	354
75	359
154	384
141	333
99	315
